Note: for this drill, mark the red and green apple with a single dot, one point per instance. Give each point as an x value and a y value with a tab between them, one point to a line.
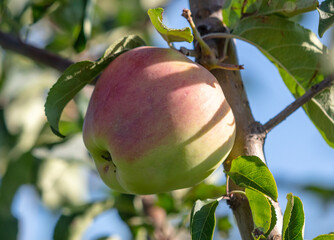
157	122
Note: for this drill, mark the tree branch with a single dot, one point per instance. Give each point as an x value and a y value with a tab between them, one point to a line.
312	92
42	56
250	136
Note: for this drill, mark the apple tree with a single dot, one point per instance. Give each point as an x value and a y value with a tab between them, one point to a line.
157	122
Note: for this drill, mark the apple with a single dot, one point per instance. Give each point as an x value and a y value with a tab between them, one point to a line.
157	122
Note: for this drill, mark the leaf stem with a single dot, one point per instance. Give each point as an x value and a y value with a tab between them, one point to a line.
312	92
237	192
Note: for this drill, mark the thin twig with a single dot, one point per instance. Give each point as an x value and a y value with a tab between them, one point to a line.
42	56
204	47
313	91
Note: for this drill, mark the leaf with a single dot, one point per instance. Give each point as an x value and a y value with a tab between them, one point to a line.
326	16
293	219
297	53
202	219
80	74
19	171
203	191
39	9
325	237
8	227
125	205
325	193
233	11
261	212
251	172
224	226
80	42
169	34
273	220
74	225
167	202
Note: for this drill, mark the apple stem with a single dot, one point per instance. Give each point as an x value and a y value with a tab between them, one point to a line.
188	52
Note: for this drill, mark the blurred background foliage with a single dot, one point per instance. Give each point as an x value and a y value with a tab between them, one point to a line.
58	173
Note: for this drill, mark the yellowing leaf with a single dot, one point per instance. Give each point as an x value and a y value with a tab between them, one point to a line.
169	34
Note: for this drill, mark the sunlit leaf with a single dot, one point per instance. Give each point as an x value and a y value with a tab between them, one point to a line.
261	212
202	219
233	11
297	53
251	172
273	219
169	34
326	16
62	181
293	219
167	202
203	191
325	237
80	74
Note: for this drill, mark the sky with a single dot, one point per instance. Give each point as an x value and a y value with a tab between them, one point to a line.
295	151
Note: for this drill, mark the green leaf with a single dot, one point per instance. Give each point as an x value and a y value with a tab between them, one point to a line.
273	220
251	172
75	224
325	193
293	219
79	75
167	202
125	205
326	16
224	226
169	34
233	11
39	9
325	237
19	171
202	219
261	212
203	191
84	33
8	227
297	53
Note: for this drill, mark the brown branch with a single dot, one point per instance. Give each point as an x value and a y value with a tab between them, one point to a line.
312	92
39	55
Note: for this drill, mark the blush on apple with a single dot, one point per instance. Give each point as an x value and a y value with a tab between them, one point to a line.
157	122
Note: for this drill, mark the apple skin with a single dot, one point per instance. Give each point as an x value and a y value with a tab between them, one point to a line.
157	122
